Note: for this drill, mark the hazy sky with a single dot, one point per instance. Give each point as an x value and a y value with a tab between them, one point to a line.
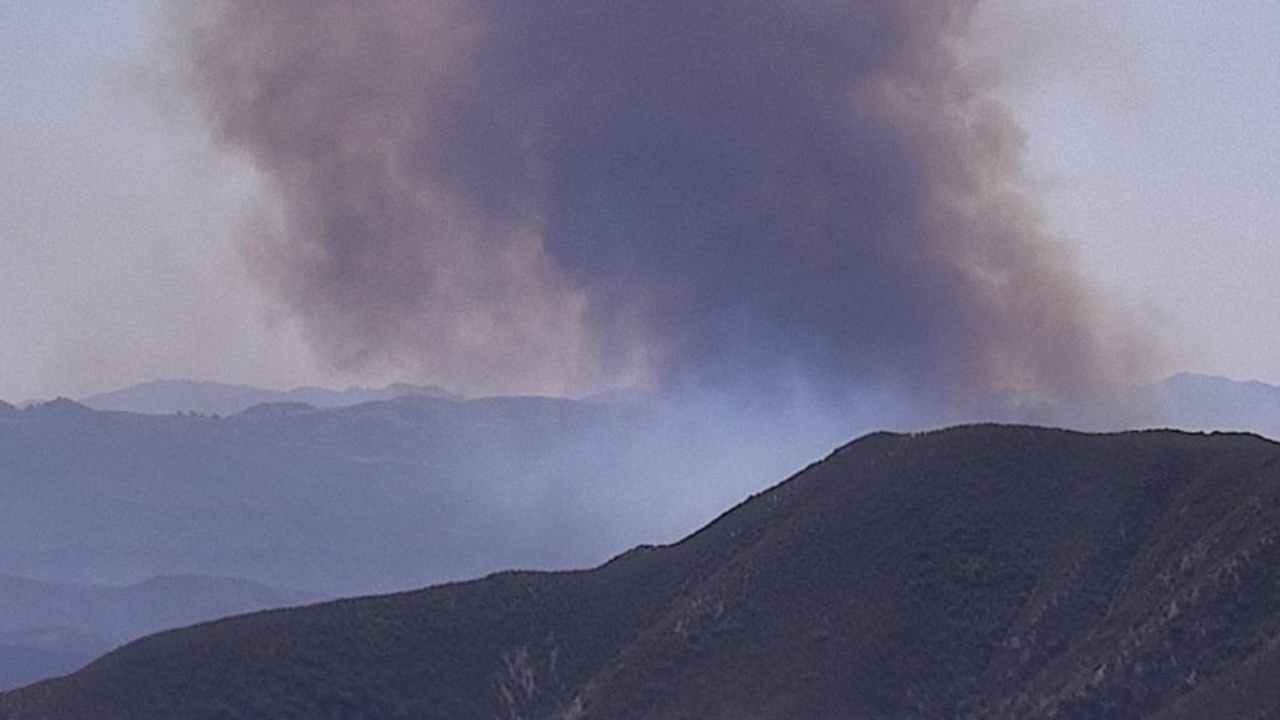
1150	127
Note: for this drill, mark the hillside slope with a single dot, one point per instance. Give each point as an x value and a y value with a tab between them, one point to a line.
116	614
979	572
50	629
37	654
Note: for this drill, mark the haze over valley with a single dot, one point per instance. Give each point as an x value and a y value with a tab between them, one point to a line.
303	301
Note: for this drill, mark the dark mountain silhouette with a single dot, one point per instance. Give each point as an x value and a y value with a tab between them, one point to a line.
169	397
990	572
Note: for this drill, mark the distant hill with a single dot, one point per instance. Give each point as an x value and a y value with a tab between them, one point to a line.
49	629
392	494
1215	403
168	397
989	572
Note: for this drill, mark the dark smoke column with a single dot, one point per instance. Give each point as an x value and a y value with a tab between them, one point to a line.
557	195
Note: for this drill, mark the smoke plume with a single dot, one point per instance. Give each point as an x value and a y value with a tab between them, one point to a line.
569	194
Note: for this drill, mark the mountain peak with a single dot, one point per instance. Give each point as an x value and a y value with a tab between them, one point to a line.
59	406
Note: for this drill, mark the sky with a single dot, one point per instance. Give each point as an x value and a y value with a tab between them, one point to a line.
1148	126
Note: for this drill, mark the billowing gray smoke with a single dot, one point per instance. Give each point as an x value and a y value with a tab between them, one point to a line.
564	194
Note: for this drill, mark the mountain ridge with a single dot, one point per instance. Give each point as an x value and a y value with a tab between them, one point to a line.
168	397
987	571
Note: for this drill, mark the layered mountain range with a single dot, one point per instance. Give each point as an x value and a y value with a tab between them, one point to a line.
366	496
170	397
350	500
372	497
